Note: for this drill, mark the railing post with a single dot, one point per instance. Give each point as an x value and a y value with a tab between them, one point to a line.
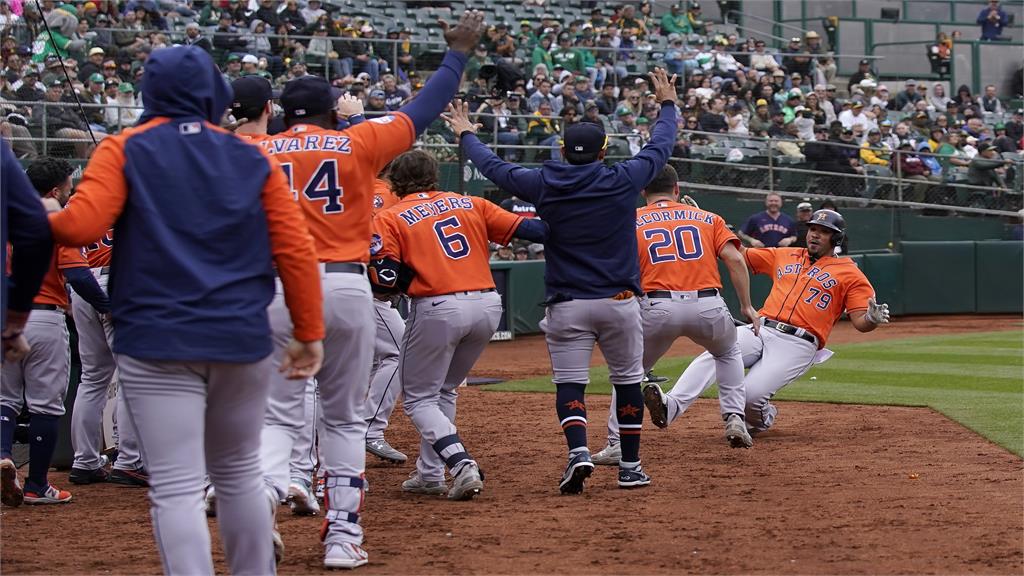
771	166
899	178
46	148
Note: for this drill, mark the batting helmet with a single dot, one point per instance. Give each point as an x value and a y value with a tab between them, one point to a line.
833	221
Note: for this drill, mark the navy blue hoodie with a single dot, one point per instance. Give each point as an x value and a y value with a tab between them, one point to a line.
590	209
191	272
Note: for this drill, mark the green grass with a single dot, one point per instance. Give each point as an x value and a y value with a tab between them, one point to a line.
975	379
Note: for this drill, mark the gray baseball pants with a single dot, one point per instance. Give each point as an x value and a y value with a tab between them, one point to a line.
182	412
95	335
444	338
384	382
708	322
40	379
348	353
572	328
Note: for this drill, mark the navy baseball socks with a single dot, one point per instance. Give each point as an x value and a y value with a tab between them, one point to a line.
629	408
42	429
467	478
572	415
8	422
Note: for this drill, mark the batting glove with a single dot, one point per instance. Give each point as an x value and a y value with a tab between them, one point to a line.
877	313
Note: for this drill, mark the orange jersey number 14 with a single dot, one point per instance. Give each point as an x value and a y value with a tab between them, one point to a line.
322	185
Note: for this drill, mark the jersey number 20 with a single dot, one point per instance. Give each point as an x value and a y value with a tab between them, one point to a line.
322	185
454	244
685	241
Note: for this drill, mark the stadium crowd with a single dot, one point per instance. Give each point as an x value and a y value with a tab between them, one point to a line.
526	81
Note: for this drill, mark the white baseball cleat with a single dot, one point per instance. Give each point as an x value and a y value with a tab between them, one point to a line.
610	455
345	555
417	485
301	499
736	432
467	483
211	501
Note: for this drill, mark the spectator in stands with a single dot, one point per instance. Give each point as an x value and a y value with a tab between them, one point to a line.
697	24
541	53
1015	127
910	167
225	38
863	71
606	101
963	97
737	121
761	60
873	151
123	110
770	228
988	168
312	12
94	64
761	121
992	20
503	254
989	102
855	116
544	94
194	37
951	154
567	56
497	121
804	210
906	99
937	100
675	21
713	119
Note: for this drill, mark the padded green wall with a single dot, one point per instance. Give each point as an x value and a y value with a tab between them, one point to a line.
1000	279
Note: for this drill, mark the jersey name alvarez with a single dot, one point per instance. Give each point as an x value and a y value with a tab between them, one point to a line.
673	215
420	212
308	143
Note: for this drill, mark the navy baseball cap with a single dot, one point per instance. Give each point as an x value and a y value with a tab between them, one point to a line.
251	93
307	96
584	138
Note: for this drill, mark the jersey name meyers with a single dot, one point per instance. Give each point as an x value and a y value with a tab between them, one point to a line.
339	144
417	213
671	215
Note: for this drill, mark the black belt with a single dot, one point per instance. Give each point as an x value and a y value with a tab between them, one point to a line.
345	267
702	293
340	267
484	291
45	307
791	330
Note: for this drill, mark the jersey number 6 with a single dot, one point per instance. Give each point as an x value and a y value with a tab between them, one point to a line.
322	185
686	240
453	243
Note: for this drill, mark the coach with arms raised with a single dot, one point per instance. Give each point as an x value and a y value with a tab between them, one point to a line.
592	276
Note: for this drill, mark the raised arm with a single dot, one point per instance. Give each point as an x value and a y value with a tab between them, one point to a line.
99	198
652	158
444	83
522	182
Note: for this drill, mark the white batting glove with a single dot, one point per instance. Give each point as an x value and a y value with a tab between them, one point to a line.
686	199
877	313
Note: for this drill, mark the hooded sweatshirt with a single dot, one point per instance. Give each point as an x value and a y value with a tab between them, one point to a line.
201	216
590	209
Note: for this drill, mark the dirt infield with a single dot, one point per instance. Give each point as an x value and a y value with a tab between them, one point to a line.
831	489
528	356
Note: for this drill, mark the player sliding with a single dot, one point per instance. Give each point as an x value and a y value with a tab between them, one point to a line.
679	249
811	289
592	278
434	247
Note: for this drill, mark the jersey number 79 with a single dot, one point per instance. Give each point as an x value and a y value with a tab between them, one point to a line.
322	185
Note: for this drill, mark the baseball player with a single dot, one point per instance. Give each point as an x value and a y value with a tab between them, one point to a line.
811	290
679	249
39	380
202	217
384	381
440	241
95	333
592	277
25	227
331	175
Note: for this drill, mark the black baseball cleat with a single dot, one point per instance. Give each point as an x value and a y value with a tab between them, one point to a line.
652	378
83	476
136	477
654	400
580	468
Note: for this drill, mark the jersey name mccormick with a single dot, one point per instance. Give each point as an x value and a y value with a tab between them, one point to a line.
444	238
679	247
810	295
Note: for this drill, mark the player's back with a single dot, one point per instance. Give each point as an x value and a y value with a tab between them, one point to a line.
678	247
445	238
98	253
332	175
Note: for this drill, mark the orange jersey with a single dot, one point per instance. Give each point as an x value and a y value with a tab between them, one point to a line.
679	247
383	197
332	175
809	295
53	291
444	238
98	253
252	138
